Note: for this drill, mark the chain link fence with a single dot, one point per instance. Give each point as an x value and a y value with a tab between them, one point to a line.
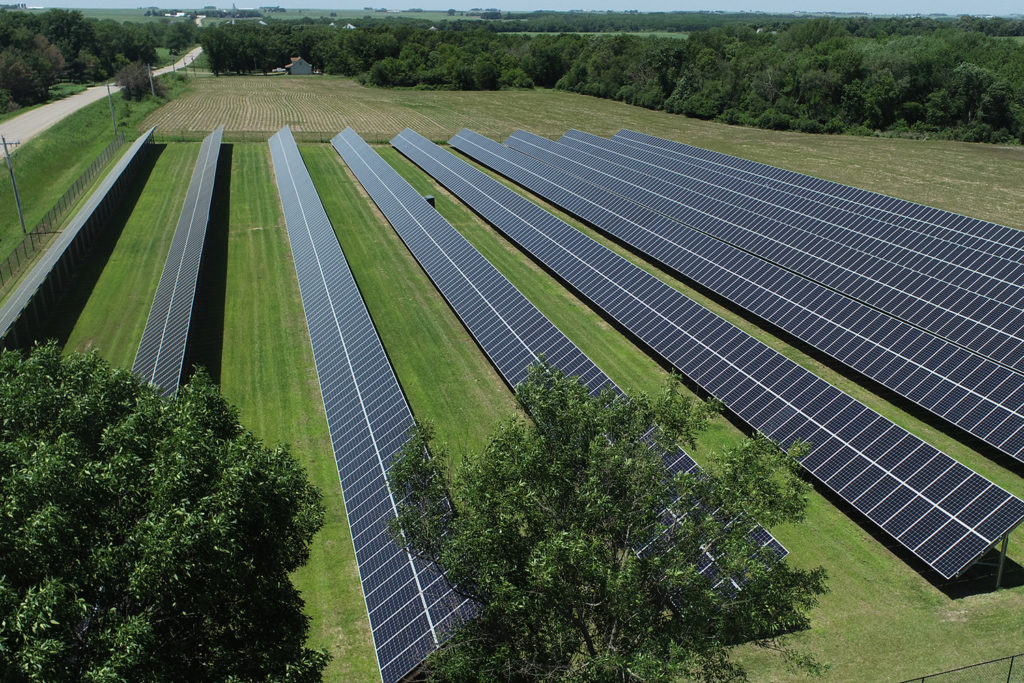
1005	670
39	236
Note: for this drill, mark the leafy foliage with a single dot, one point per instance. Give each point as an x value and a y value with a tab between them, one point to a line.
143	539
38	48
136	82
581	553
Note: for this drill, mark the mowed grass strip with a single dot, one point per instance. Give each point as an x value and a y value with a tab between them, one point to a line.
444	374
125	274
973	179
882	615
267	370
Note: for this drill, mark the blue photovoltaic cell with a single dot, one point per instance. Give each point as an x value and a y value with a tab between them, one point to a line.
968	308
510	330
162	348
409	603
977	395
767	390
950	236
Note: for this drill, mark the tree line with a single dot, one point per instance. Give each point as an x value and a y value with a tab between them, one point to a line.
904	77
38	49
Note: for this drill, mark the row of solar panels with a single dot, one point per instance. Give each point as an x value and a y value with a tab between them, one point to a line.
973	393
161	354
939	510
510	330
410	604
955	289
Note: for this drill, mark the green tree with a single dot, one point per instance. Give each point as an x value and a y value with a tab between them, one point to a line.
134	80
580	552
141	538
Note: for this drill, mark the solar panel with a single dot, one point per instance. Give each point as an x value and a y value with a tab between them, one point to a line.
971	233
62	257
937	509
161	351
979	396
510	330
409	603
899	239
952	311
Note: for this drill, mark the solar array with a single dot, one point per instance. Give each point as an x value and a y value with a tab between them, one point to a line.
66	252
409	603
931	505
971	309
161	353
979	396
909	221
510	330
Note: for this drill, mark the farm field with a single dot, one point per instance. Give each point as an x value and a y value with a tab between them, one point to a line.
884	618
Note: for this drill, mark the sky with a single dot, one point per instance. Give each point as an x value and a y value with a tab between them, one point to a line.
953	7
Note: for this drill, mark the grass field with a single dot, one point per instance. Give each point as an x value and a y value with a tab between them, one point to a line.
884	619
124	281
974	179
47	165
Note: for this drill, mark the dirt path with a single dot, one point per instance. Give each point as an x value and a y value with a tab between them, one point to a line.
22	128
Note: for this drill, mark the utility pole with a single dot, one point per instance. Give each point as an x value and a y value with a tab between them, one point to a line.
152	90
17	199
110	99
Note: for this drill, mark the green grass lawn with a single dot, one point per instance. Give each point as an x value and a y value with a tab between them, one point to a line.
267	370
114	314
443	373
883	619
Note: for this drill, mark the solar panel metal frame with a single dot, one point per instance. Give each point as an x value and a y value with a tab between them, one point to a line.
967	318
409	603
509	329
937	509
161	353
983	398
67	245
973	233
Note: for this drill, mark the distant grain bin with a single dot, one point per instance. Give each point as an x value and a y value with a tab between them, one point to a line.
299	67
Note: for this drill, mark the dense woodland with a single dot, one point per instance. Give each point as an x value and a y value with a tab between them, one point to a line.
39	49
911	77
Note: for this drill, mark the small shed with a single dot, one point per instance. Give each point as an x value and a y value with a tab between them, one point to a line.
299	67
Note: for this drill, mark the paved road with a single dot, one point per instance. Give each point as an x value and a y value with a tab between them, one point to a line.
22	128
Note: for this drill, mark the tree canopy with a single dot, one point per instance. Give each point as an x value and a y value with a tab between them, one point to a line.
142	538
581	553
